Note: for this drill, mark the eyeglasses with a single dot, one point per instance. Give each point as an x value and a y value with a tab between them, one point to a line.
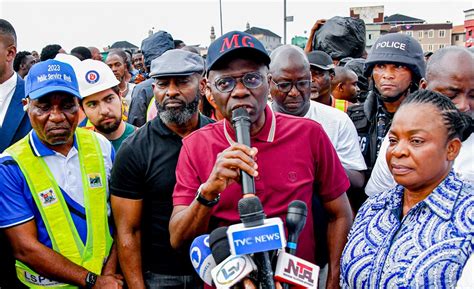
286	86
251	80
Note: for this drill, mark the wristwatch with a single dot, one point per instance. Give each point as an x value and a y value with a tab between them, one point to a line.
91	278
204	201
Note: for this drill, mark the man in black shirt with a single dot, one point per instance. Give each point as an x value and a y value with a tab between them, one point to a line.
143	177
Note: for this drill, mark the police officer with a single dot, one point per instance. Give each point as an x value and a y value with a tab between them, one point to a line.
396	66
53	190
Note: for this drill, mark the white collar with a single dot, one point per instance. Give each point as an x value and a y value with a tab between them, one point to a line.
8	85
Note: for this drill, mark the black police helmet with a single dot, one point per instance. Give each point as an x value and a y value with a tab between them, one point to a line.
397	48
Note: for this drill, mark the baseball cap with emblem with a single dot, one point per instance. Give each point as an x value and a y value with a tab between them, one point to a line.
176	62
320	59
94	76
51	76
234	41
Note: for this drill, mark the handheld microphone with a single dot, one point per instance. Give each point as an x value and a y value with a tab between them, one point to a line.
252	215
295	221
201	258
296	271
219	244
231	269
241	122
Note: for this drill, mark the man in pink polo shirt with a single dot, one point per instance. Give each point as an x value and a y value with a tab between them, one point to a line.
291	158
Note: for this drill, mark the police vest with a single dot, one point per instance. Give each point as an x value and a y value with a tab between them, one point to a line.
55	213
366	135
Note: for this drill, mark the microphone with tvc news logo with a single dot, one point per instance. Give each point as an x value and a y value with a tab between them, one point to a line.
231	269
257	235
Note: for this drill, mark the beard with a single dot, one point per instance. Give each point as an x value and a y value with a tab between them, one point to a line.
108	128
179	115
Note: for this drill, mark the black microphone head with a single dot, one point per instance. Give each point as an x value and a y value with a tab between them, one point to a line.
251	211
240	113
219	244
296	218
298	207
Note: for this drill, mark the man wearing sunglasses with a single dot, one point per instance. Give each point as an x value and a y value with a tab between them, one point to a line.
289	157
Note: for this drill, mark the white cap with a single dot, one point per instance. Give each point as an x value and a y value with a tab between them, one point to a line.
69	59
94	76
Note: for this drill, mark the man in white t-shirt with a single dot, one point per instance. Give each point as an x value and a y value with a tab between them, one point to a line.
290	90
456	81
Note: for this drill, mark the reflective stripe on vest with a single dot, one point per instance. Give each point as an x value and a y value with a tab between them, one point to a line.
151	111
55	213
340	104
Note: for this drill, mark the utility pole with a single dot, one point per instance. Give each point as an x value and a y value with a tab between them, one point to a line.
220	12
284	21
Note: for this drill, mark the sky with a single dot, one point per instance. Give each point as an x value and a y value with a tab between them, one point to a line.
100	23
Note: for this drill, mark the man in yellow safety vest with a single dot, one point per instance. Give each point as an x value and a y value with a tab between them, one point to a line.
54	191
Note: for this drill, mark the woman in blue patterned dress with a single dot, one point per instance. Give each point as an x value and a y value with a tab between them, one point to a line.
420	233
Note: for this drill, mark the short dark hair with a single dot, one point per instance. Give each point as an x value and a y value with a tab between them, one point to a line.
50	51
122	54
20	59
458	124
177	42
7	29
81	52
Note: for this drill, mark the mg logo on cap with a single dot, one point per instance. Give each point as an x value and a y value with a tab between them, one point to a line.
92	76
236	41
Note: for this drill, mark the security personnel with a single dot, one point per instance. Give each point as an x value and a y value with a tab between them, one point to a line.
396	65
53	190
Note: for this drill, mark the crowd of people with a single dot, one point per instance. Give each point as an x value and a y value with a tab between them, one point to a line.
111	164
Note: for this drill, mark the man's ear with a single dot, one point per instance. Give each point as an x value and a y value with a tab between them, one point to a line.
202	86
340	86
26	103
11	53
423	83
210	98
332	75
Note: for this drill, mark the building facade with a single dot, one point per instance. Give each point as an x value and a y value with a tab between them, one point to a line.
469	27
431	36
458	37
373	31
269	39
